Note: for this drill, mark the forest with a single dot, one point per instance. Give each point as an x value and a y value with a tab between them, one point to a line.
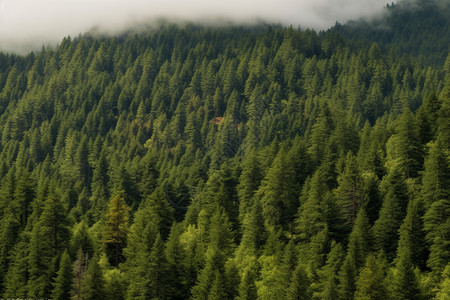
187	161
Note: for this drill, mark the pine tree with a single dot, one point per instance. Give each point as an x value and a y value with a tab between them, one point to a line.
404	149
81	239
271	285
18	272
247	287
116	226
93	285
115	284
207	276
159	211
221	235
158	269
349	193
326	286
299	286
370	282
358	247
249	182
320	130
278	193
49	238
79	270
253	232
217	290
444	289
404	283
63	282
393	210
175	255
100	186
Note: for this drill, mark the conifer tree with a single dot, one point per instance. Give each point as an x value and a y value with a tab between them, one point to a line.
444	289
248	183
370	282
81	239
403	283
278	193
358	247
100	185
116	226
393	210
63	282
404	148
175	255
158	269
217	290
349	193
207	276
326	286
247	287
93	285
79	271
18	272
320	130
299	285
49	237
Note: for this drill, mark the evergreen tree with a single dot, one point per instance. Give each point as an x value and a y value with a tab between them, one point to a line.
175	254
158	270
247	287
326	286
116	226
393	210
93	285
79	271
358	247
404	148
370	282
207	276
248	183
349	193
63	282
299	286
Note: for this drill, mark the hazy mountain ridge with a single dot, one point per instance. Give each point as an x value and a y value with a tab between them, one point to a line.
420	28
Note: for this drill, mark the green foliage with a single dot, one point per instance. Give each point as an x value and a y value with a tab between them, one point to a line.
63	282
116	225
230	162
93	285
370	282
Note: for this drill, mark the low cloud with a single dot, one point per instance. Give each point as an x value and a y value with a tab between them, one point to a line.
28	24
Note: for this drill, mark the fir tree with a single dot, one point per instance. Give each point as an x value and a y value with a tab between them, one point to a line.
116	226
158	269
63	282
370	282
93	283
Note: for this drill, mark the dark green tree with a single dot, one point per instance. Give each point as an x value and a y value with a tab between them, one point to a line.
93	283
62	286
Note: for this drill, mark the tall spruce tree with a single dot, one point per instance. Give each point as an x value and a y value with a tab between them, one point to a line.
370	282
62	286
116	227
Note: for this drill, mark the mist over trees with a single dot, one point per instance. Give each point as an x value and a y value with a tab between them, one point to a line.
258	162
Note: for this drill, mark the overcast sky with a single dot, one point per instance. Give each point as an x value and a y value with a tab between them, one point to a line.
25	23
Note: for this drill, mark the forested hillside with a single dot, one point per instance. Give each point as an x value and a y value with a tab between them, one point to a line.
227	162
417	27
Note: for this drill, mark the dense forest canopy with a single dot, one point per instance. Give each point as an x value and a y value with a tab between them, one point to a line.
235	162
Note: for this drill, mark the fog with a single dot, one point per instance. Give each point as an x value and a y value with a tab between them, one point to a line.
28	24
